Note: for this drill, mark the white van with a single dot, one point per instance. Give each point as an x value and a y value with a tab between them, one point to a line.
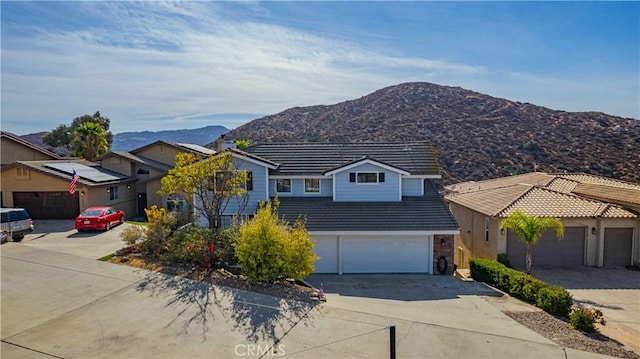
16	222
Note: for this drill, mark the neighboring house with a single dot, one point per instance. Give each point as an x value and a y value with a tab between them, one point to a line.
148	164
42	188
38	180
600	215
371	208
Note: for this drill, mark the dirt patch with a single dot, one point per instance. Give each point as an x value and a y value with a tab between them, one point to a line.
284	289
559	331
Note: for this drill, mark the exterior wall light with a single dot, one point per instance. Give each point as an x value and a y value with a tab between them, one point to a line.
594	230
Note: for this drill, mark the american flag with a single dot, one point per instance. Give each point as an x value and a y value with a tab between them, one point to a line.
74	179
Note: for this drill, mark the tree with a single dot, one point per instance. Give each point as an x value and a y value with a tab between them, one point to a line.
269	250
242	144
213	182
89	141
62	136
530	228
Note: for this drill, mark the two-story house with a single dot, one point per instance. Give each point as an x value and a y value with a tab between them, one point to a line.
371	208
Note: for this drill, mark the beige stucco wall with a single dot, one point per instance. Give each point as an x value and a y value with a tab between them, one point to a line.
161	153
471	241
118	164
98	196
11	151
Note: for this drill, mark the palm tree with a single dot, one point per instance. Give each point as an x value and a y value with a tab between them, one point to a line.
530	228
89	141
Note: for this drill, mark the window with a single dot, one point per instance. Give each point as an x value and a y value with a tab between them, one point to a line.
143	171
486	229
283	185
113	192
22	173
249	183
312	185
366	177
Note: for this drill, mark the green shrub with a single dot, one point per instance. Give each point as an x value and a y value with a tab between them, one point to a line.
502	259
584	319
268	250
160	225
225	254
188	246
555	300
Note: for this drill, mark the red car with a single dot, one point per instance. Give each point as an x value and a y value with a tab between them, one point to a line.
102	218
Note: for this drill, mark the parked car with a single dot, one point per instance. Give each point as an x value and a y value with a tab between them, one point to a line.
15	221
99	218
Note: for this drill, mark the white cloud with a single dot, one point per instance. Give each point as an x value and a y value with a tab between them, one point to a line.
163	65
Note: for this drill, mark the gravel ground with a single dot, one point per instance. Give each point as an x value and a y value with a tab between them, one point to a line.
563	334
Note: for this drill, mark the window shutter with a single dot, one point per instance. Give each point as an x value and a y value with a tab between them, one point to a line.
381	177
352	177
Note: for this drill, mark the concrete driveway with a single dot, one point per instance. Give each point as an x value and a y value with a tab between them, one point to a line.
615	291
57	304
60	236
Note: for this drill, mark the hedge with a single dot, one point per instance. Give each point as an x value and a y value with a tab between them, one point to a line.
552	299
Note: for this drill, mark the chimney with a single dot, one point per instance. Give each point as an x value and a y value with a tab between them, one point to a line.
222	143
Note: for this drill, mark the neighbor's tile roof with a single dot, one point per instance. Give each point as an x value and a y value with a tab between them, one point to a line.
542	202
609	193
541	194
533	178
426	213
315	158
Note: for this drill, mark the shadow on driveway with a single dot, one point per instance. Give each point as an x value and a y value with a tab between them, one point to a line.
406	287
198	305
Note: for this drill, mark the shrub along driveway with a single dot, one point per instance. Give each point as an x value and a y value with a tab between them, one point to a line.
614	290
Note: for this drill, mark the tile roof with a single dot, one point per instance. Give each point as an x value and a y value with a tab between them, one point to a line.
542	202
26	143
427	213
489	201
201	150
609	193
315	158
533	178
546	195
42	166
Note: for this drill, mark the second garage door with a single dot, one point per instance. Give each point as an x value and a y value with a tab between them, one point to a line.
617	246
549	251
48	205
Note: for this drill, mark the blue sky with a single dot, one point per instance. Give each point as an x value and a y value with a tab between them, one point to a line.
166	65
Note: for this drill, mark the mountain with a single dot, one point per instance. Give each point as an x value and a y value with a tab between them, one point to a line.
126	141
476	136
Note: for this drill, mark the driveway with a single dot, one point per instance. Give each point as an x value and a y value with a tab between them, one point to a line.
614	290
57	304
60	236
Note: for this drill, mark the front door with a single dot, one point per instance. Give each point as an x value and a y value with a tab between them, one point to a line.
142	204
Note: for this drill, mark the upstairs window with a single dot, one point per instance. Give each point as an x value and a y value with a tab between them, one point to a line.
366	177
249	183
312	185
143	171
283	185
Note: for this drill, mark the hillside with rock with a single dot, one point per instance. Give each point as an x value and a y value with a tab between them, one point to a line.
476	136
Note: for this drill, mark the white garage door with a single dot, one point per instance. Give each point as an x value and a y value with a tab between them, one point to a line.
326	247
385	255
